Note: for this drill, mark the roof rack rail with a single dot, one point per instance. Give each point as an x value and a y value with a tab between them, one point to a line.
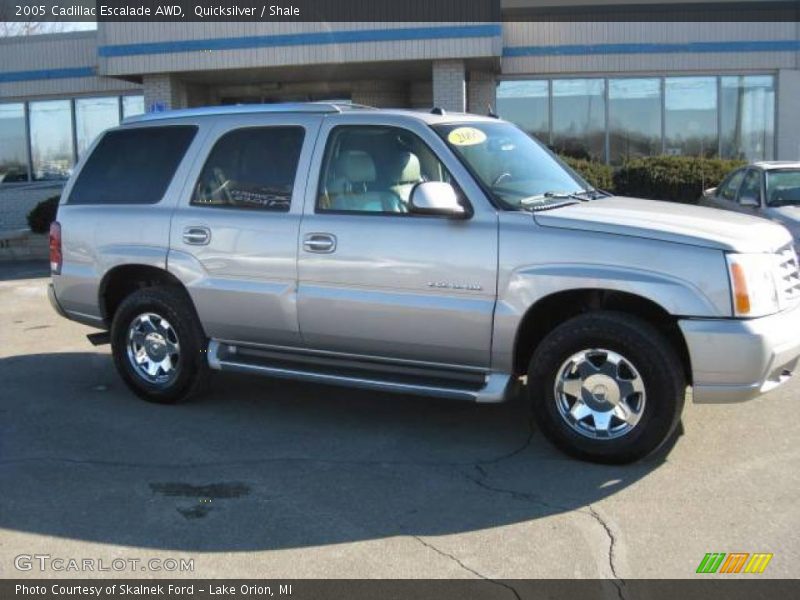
240	109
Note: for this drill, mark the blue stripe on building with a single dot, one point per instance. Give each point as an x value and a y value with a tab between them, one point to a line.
305	39
47	74
690	47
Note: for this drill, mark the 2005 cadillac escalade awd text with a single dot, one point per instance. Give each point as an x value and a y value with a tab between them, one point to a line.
417	252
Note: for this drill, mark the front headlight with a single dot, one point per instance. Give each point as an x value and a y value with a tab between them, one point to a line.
753	284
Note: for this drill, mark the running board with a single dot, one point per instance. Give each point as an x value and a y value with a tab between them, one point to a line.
490	389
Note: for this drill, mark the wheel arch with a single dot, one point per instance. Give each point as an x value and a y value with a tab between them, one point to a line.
552	310
120	281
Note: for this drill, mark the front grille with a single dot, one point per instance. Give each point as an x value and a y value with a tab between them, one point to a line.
789	274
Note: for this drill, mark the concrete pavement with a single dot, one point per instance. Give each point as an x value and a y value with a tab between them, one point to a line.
265	478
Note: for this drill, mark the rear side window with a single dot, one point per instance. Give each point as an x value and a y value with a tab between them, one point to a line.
132	166
251	168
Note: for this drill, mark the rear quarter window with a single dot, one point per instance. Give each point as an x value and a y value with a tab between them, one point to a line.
132	166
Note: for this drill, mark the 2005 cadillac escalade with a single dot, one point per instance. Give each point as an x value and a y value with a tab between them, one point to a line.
417	252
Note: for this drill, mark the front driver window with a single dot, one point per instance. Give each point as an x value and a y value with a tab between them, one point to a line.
727	190
372	169
751	187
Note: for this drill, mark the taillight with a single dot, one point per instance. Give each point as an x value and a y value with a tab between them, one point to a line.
56	257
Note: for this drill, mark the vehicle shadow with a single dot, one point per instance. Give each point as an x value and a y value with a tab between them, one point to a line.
265	464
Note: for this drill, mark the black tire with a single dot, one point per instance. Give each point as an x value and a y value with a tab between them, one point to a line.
192	371
647	350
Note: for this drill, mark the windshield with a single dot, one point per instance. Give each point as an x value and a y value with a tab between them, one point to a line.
515	169
783	187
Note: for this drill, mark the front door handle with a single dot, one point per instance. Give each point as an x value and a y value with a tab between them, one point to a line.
196	235
321	243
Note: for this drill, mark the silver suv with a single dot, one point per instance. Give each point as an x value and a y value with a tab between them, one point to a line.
417	252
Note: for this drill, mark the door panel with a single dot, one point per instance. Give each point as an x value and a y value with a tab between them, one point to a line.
387	283
234	237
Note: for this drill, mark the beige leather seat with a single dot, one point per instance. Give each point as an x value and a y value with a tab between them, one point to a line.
350	189
405	173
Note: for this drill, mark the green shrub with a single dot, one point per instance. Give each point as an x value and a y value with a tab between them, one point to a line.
676	178
599	175
42	215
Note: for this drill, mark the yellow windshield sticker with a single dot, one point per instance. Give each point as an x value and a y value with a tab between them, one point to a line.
466	136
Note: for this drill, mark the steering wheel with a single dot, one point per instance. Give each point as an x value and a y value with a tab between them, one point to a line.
501	177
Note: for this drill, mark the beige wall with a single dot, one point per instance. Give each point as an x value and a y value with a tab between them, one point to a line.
46	53
563	34
204	60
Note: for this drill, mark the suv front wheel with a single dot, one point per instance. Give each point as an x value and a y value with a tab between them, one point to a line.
606	387
158	345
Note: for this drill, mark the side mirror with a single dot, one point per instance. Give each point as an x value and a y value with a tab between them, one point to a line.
436	198
751	201
709	192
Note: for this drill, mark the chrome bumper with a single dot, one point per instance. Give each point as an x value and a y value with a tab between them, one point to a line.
737	360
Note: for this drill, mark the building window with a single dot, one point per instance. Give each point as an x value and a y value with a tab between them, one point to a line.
51	139
690	116
13	149
132	105
92	117
579	118
747	117
634	114
732	116
526	103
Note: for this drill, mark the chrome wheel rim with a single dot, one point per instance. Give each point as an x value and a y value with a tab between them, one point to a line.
600	394
153	349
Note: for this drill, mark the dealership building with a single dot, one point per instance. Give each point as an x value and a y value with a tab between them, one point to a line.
606	88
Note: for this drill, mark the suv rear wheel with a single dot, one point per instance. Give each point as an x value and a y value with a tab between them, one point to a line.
606	387
158	345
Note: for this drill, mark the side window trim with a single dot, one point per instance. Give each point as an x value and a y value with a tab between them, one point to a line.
212	146
325	157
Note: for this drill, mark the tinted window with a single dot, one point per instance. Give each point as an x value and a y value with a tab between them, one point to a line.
132	166
251	168
371	169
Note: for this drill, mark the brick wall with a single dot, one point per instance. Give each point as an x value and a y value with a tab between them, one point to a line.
449	86
164	89
481	92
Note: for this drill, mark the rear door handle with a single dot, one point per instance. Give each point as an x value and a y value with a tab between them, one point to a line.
197	235
321	243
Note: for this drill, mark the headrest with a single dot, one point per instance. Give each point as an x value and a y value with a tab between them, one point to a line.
356	166
405	168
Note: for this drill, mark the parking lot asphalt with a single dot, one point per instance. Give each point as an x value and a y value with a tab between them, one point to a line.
266	478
